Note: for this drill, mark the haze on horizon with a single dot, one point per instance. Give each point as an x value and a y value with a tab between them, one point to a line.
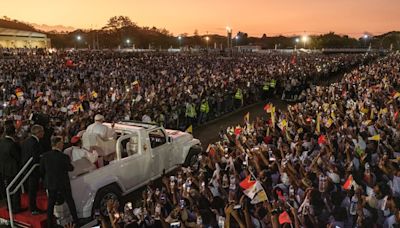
273	17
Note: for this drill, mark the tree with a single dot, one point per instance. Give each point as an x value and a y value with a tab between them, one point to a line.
119	22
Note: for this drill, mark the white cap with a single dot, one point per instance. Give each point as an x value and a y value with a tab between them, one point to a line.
99	117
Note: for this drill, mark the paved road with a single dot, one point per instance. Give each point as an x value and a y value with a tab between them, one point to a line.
208	133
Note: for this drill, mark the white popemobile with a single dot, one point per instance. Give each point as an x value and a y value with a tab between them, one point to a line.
140	154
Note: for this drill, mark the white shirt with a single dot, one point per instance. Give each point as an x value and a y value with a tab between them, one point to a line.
101	130
79	153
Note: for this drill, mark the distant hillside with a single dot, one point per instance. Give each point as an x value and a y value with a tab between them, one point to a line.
14	24
53	28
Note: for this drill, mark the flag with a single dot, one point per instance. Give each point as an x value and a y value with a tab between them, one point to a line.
375	138
273	116
364	110
329	123
396	114
247	182
333	115
284	218
238	130
253	190
69	63
322	139
318	128
189	129
283	124
349	182
268	108
367	122
210	150
247	117
261	196
94	94
383	111
19	92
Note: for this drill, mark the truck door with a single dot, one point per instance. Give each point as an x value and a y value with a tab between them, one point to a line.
160	149
132	161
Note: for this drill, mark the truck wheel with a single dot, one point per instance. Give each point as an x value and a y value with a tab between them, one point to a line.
110	192
192	159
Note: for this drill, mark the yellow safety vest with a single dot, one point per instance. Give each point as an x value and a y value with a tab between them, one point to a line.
204	107
239	95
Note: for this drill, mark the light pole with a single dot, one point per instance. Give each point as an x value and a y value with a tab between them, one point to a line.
365	38
305	40
297	40
78	40
128	42
229	36
236	40
207	40
180	41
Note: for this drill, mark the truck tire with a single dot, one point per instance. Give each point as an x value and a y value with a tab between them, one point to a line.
192	159
106	193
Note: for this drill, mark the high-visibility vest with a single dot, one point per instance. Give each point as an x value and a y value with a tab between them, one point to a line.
190	111
239	95
273	83
204	107
266	87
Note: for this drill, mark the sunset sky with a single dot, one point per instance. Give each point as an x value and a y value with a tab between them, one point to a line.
273	17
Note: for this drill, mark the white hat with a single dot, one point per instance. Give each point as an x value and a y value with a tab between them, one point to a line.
98	117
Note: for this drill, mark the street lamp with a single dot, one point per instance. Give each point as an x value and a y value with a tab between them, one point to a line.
297	40
305	40
229	36
207	39
236	40
78	39
180	40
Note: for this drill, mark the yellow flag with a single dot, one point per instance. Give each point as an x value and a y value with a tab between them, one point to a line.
375	138
247	117
364	110
273	116
318	128
329	123
94	94
189	129
367	122
383	111
333	115
372	115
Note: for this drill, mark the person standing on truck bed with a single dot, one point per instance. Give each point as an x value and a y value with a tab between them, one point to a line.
101	130
55	165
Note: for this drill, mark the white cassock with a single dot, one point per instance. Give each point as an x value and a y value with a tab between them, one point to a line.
101	130
79	153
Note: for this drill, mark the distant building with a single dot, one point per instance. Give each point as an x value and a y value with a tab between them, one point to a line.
12	38
248	48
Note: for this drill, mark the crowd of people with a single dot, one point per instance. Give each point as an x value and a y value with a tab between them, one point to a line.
330	160
174	90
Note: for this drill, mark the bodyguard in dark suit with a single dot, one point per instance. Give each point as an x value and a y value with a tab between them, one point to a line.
10	160
55	165
31	148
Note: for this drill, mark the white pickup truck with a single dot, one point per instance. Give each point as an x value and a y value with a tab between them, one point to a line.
142	152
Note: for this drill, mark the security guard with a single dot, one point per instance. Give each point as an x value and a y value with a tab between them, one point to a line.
190	113
238	98
204	110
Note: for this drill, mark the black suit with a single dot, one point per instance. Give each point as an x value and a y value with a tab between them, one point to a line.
55	165
10	160
31	148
